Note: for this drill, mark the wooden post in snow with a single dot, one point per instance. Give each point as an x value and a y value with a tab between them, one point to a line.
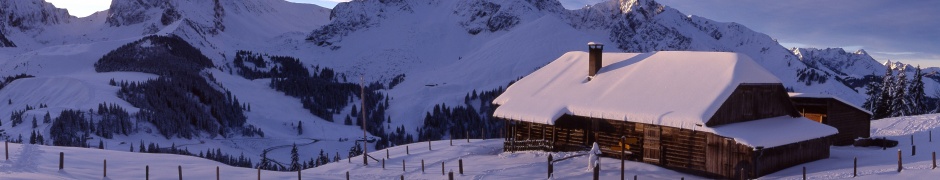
217	175
298	174
259	172
442	168
899	160
61	160
804	172
180	168
623	155
147	172
6	148
913	150
460	165
550	166
597	171
347	175
429	145
450	175
383	163
387	156
105	168
422	166
934	160
855	167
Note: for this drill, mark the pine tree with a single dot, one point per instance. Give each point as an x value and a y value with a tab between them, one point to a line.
916	94
300	127
32	137
132	147
47	118
873	89
294	159
264	160
100	144
347	121
883	105
34	123
899	96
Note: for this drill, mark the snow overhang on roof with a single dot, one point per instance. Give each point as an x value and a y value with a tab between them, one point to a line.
826	96
671	88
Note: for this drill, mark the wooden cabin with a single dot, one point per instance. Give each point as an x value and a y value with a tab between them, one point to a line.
715	114
851	121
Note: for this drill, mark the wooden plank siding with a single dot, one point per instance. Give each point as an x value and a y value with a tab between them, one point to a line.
752	102
852	123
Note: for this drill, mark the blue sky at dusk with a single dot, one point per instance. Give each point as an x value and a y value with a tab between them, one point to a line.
907	31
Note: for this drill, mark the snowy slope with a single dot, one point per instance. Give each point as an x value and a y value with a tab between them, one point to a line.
62	53
483	159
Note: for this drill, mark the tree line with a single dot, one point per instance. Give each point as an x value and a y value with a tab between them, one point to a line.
897	96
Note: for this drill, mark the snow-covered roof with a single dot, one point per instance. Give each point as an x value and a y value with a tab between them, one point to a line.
670	88
773	132
815	95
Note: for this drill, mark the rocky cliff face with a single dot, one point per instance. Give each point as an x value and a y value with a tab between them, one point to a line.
25	15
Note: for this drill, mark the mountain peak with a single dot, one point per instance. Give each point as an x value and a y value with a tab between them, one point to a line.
861	52
648	8
31	14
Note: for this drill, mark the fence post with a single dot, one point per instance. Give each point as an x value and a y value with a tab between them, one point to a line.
452	141
634	177
105	168
429	144
460	165
259	172
913	150
934	160
407	152
422	166
387	156
6	148
855	167
61	160
217	175
383	163
597	171
899	160
450	175
180	168
550	168
298	173
884	145
930	136
442	168
347	175
804	172
147	172
623	155
468	136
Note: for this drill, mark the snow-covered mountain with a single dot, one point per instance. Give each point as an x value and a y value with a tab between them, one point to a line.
442	50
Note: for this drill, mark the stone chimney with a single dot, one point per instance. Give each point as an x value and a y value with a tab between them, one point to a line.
594	63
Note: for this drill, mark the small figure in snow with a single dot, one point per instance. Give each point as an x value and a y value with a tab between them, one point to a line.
594	156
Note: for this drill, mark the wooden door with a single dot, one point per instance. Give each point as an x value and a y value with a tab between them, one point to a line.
652	151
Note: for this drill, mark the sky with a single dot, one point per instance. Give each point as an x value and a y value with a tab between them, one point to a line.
906	31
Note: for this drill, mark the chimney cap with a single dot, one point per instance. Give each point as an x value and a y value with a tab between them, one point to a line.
594	43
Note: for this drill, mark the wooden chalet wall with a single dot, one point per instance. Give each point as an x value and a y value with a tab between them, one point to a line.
852	123
782	157
695	152
752	102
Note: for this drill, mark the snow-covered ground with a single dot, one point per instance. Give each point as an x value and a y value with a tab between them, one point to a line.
483	159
